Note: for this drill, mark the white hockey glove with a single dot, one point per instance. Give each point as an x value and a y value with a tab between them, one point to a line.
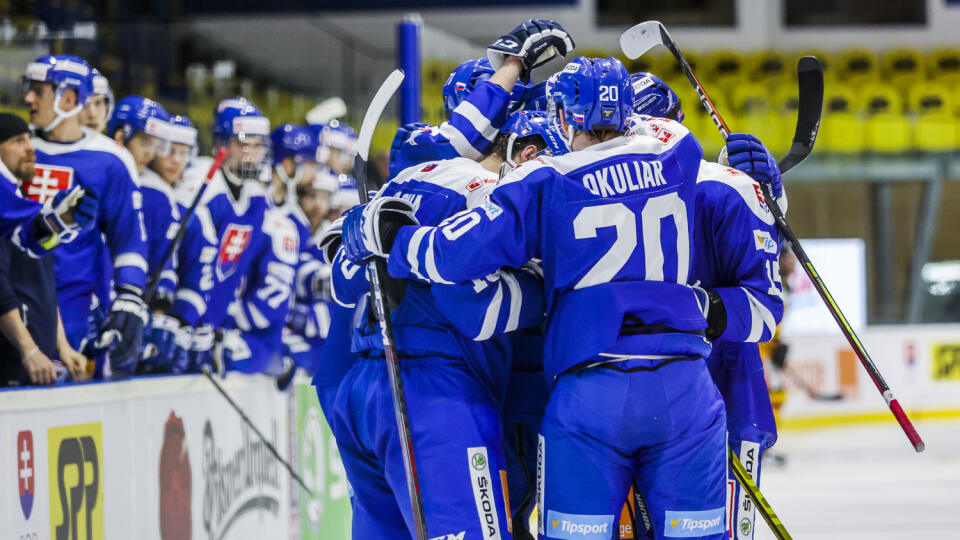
369	230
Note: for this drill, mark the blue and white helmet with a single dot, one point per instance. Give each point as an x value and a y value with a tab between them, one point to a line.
237	118
180	130
136	114
652	97
536	97
347	194
293	141
101	87
338	136
64	72
465	78
527	123
590	93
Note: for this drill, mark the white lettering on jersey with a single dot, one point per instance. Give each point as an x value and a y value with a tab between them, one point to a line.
620	178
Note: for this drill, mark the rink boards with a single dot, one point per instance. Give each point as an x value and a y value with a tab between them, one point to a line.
166	457
921	363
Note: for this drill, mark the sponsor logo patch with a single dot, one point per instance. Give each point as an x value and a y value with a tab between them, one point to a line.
475	184
946	361
47	182
541	455
745	512
483	492
75	462
25	472
763	241
572	67
491	209
642	83
457	536
691	524
578	526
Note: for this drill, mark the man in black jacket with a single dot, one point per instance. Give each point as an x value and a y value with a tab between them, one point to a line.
33	346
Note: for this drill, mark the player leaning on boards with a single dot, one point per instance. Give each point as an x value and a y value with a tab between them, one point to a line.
632	401
453	377
55	89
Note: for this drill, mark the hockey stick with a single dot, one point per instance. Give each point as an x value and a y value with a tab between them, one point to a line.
645	36
243	415
809	109
750	487
154	280
378	269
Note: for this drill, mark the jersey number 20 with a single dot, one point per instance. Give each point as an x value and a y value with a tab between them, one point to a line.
591	218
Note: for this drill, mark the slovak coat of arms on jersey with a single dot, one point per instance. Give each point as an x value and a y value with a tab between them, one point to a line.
234	243
48	181
25	471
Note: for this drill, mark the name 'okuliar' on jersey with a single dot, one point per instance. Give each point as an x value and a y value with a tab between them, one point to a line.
619	178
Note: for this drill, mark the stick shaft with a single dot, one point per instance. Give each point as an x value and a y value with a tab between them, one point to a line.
752	491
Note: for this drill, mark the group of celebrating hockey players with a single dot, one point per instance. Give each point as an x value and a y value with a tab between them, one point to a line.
239	288
577	294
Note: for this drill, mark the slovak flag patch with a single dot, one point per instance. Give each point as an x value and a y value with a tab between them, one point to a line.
234	243
429	167
25	471
48	181
460	86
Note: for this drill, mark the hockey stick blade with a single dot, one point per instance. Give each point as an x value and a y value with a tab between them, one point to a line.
375	110
639	39
809	110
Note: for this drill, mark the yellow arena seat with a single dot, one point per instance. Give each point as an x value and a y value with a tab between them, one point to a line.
769	67
936	125
944	64
876	98
841	131
855	66
750	98
902	66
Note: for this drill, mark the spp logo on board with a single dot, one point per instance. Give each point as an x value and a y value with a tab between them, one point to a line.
25	472
235	242
75	462
47	182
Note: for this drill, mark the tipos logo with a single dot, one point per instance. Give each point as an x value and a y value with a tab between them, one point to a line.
76	481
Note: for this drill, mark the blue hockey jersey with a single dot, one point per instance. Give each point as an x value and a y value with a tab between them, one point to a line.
611	226
101	164
161	219
469	133
736	253
444	321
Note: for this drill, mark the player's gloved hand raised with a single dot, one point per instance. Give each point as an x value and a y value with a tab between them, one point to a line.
200	353
330	240
747	154
67	214
369	230
122	333
534	43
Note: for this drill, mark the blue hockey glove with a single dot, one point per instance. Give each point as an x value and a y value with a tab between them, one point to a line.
122	334
534	42
201	348
370	230
229	347
67	214
330	240
747	154
163	341
298	319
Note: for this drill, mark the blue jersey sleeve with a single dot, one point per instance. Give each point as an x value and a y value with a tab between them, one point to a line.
161	219
502	302
196	255
16	221
266	299
469	133
121	220
745	248
504	228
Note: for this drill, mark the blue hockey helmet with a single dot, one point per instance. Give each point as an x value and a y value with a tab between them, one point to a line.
64	72
180	130
536	97
238	117
336	145
347	194
652	97
590	93
293	141
528	123
135	114
465	78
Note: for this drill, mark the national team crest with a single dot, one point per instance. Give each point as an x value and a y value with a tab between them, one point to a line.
49	180
25	471
234	243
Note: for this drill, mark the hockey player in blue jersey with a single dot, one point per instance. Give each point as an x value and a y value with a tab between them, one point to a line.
632	400
99	108
337	146
55	88
736	263
477	100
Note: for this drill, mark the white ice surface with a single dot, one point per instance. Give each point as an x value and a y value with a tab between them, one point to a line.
866	482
